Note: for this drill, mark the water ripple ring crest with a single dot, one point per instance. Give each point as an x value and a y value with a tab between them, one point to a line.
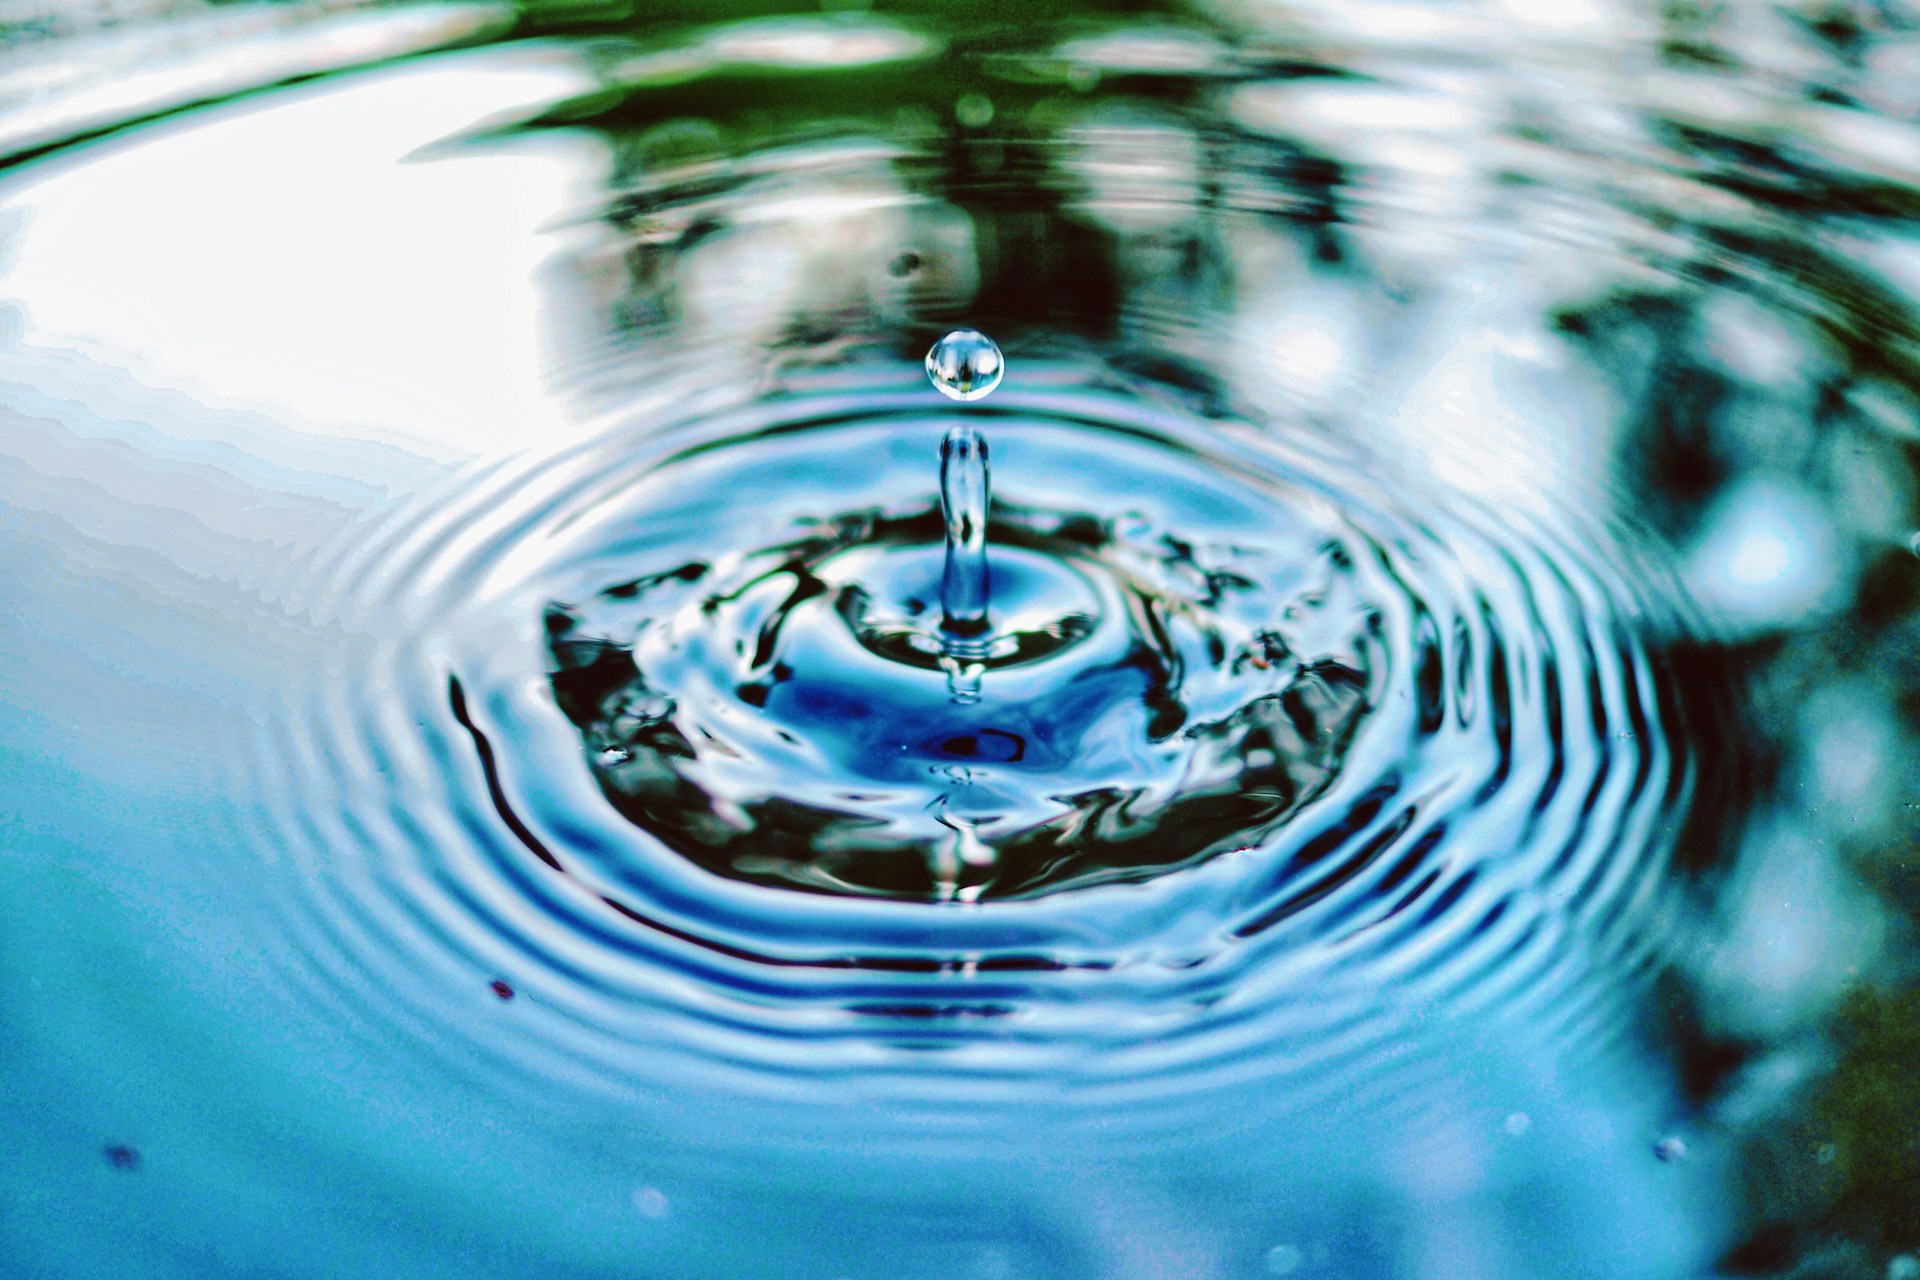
1252	715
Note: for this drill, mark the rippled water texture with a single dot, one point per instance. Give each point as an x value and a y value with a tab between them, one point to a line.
534	743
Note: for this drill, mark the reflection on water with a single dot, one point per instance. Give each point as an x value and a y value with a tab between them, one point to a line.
496	774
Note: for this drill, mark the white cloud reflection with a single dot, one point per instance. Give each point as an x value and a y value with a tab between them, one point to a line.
298	258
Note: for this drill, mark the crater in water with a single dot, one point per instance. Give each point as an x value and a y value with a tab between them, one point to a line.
1144	691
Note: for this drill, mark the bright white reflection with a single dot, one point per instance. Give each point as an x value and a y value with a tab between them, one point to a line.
1300	343
1146	50
1491	404
794	42
51	91
1767	556
301	259
1795	932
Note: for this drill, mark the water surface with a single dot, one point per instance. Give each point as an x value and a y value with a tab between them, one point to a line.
500	778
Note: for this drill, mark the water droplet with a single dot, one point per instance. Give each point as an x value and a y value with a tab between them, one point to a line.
1518	1123
1283	1260
1827	1153
1670	1150
651	1202
1903	1266
974	110
501	989
965	365
1913	542
121	1156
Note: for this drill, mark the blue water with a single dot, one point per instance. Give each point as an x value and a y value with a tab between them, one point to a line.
530	747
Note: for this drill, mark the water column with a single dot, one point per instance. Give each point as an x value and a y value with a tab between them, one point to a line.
964	365
965	482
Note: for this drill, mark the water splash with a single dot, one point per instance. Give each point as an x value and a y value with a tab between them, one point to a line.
782	700
1327	734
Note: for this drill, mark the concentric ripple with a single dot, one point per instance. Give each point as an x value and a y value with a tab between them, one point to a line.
1263	758
775	697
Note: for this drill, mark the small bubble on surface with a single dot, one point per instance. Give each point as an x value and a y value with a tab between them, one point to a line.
1283	1260
121	1156
965	365
501	989
1913	542
1518	1123
1670	1150
651	1203
974	110
1827	1153
992	1264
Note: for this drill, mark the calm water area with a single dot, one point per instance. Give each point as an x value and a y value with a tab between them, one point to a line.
1372	732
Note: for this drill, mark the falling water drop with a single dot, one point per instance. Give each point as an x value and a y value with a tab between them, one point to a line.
965	365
